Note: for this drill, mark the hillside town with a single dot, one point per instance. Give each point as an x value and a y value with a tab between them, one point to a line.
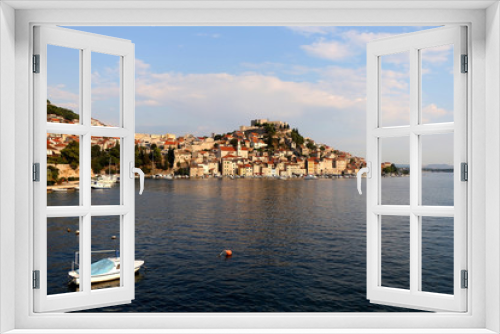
265	148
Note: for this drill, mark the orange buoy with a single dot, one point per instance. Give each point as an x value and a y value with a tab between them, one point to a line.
226	253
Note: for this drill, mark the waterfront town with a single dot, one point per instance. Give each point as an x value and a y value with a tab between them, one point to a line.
264	148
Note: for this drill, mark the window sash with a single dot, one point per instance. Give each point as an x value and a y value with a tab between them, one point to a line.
86	43
414	298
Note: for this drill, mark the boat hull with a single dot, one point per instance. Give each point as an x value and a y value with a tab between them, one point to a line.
110	276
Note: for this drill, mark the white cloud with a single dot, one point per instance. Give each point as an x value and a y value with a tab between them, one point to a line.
59	95
434	110
394	82
432	113
401	58
360	38
437	55
221	94
181	103
342	45
331	50
141	67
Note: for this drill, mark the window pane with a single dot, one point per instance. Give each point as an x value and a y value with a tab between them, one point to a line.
105	171
437	84
395	183
63	243
437	254
395	89
105	268
63	85
106	76
396	252
437	169
63	169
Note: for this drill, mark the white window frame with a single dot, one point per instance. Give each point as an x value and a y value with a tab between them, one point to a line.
414	297
483	314
86	44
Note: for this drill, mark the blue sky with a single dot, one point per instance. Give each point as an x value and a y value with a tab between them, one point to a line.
213	79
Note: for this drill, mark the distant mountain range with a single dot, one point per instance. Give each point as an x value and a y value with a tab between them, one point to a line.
429	166
438	166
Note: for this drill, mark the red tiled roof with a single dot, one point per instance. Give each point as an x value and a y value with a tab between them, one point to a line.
227	149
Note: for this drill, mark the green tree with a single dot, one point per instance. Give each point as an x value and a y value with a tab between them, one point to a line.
322	148
311	146
234	142
296	137
155	154
71	154
138	158
146	158
96	166
63	112
182	171
171	158
105	159
217	137
392	169
52	175
270	129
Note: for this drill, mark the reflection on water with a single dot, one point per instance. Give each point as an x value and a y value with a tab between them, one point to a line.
298	246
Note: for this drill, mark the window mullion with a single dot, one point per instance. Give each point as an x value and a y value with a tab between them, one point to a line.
414	175
85	158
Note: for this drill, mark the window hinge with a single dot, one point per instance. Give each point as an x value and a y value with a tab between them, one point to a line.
36	279
36	172
464	171
465	64
465	279
36	63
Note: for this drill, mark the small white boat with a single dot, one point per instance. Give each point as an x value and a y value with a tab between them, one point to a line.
310	177
111	179
99	184
104	270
